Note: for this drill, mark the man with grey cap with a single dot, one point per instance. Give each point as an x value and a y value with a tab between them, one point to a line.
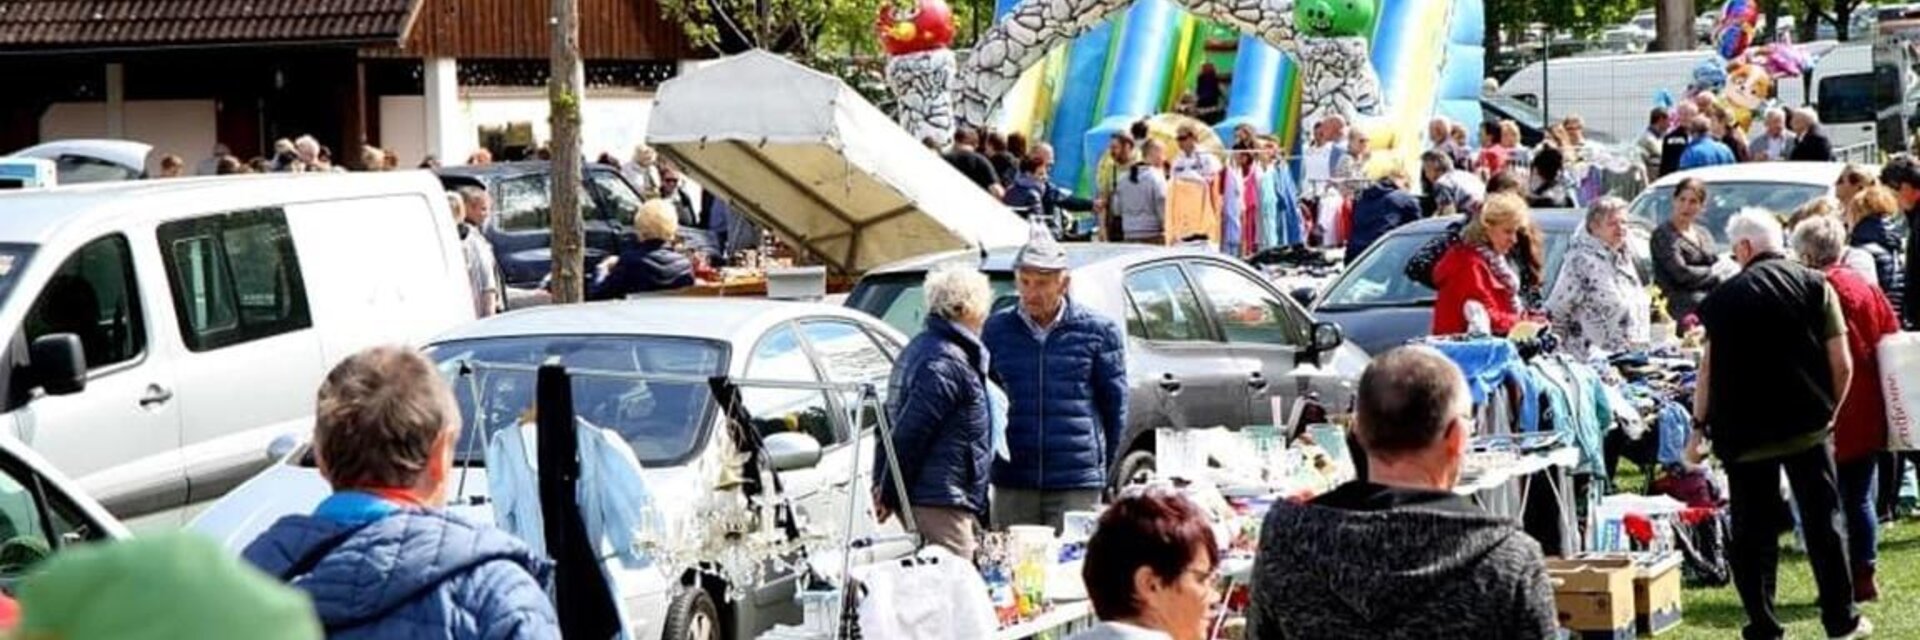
1064	368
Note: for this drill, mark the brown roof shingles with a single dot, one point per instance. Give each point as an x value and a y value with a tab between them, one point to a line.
70	24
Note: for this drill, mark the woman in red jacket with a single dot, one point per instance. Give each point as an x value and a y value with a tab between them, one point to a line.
1476	269
1860	426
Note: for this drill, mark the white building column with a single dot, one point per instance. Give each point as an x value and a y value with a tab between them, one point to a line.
448	136
116	100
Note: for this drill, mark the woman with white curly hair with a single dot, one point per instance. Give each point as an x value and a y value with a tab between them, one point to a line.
944	414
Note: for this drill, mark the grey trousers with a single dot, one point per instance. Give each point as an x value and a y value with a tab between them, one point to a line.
1035	506
948	527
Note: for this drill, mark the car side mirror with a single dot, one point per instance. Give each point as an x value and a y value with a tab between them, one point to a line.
59	363
282	446
1327	336
792	451
1304	296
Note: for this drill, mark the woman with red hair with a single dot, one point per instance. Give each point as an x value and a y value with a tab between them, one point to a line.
1150	569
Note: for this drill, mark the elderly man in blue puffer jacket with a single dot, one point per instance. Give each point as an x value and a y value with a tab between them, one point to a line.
380	557
1065	371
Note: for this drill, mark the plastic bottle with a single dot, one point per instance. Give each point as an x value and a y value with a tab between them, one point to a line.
1000	590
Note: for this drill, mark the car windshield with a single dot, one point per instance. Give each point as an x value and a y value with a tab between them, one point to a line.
661	418
1724	199
521	203
1379	279
900	300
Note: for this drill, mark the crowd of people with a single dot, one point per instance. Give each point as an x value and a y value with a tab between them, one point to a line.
1814	290
1701	132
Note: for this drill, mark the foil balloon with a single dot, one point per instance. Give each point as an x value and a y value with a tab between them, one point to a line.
1710	75
1748	87
1781	60
923	26
1734	32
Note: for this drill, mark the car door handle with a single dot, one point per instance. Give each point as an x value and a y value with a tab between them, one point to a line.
155	396
1170	383
1257	381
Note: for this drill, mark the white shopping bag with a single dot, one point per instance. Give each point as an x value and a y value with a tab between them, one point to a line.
1900	382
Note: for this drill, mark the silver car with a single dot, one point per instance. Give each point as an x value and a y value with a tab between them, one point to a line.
1210	343
675	428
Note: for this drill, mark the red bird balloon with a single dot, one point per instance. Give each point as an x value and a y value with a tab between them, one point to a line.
924	25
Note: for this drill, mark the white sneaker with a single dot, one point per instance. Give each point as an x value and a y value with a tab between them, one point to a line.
1862	630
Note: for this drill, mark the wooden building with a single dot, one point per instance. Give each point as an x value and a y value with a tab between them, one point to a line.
417	76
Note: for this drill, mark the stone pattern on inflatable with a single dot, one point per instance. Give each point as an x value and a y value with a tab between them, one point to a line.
1018	41
923	83
1338	79
1337	73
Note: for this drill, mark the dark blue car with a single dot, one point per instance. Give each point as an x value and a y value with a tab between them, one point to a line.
518	225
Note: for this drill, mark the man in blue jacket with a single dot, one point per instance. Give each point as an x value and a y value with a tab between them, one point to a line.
1704	151
1065	371
380	557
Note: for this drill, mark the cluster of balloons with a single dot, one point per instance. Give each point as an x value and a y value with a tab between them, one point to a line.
1734	33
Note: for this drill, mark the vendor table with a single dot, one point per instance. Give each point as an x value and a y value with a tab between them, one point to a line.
750	287
1063	620
1504	491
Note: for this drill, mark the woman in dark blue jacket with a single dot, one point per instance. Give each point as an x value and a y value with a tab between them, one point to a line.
941	405
651	265
1869	212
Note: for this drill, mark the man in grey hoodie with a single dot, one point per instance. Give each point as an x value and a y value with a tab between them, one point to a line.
1399	555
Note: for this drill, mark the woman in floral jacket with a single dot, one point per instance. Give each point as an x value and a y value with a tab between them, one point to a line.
1598	302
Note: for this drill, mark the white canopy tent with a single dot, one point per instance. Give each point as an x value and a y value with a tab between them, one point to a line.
806	157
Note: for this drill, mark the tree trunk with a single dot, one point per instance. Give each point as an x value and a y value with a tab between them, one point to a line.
566	87
1491	42
1673	25
1843	19
1809	26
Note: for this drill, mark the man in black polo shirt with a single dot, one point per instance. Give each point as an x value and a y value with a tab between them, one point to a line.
1775	368
971	163
1675	142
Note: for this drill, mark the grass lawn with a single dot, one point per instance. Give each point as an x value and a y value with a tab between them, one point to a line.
1716	613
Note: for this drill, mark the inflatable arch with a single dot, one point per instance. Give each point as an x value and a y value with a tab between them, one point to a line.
1322	35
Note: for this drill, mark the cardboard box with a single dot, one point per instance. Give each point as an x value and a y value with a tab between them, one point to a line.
1595	596
1656	595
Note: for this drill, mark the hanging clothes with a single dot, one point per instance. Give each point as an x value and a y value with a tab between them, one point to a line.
1271	218
1489	363
1674	423
1234	193
1250	212
1588	413
613	496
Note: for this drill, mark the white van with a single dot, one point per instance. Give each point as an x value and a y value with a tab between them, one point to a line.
1613	94
163	335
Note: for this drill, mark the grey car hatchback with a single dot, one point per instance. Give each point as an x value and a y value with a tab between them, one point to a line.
1209	341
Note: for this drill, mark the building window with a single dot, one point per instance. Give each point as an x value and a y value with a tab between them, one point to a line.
645	75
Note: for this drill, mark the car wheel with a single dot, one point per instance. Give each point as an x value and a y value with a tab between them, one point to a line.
1131	466
692	617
